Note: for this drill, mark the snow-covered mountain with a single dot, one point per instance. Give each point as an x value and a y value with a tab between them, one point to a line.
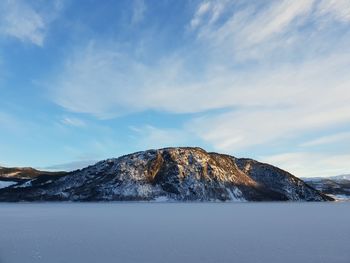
341	177
178	174
336	186
16	176
24	173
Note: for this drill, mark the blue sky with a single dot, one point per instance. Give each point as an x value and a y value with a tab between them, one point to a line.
87	80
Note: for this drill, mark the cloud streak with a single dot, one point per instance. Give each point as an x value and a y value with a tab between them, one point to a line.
148	136
330	139
71	121
139	10
22	21
304	164
338	9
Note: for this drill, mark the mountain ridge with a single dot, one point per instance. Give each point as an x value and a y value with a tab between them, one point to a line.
24	173
335	186
174	174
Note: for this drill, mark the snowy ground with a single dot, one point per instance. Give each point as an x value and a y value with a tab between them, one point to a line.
175	232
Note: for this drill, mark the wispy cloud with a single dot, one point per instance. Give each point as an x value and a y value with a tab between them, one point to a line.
72	121
139	9
334	138
269	19
280	105
101	80
71	166
200	13
304	164
253	30
338	9
23	21
208	12
149	136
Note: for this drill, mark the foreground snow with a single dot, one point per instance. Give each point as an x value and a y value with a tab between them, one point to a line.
175	232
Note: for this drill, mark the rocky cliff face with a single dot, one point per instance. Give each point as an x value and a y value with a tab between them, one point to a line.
178	174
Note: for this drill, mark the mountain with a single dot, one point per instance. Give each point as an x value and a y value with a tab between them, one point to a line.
24	173
174	174
17	176
341	177
336	186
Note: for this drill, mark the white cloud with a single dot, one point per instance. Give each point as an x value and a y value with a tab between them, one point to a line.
201	11
139	10
338	9
241	129
23	21
247	30
102	82
149	136
279	105
106	83
258	30
208	12
72	121
338	137
277	19
304	164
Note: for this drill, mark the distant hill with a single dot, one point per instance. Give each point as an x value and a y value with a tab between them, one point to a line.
24	173
337	186
16	176
170	174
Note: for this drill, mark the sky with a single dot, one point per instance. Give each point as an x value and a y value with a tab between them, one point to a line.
82	81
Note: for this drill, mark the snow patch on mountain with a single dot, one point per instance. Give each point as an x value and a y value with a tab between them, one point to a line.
4	184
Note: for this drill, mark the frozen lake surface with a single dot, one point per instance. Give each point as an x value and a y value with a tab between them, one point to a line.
175	232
